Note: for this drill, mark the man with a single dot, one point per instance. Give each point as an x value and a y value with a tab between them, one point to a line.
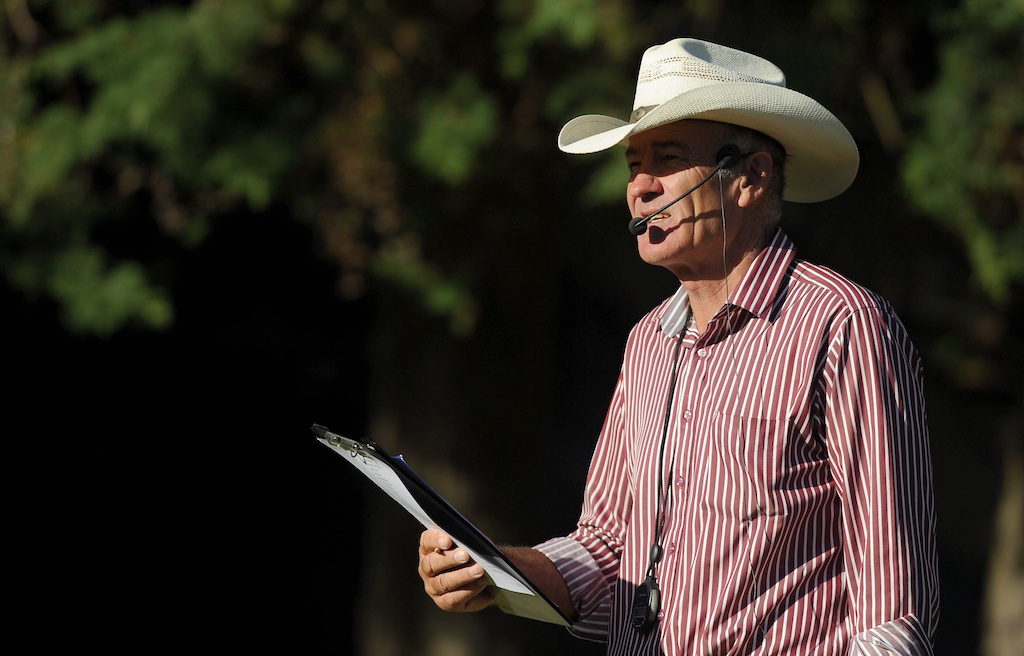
762	481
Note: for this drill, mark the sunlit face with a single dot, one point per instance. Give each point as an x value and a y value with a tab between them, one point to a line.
665	162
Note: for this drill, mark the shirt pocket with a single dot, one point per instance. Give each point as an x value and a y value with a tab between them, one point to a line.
745	466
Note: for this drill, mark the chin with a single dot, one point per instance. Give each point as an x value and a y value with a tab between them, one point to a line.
655	258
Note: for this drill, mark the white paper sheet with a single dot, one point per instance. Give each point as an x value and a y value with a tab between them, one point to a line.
386	479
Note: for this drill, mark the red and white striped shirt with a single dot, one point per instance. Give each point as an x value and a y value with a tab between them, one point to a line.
800	517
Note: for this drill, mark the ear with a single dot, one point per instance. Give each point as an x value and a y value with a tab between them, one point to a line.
756	171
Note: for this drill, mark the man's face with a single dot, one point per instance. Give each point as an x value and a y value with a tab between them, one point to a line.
664	162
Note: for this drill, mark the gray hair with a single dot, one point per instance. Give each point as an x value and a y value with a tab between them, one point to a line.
752	141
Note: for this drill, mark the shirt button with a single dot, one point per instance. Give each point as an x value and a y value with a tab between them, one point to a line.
687	415
679	481
661	614
671	549
701	352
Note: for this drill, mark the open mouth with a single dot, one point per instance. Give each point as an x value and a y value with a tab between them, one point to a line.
658	217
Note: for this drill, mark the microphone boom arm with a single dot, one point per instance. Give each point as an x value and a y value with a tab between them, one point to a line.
728	156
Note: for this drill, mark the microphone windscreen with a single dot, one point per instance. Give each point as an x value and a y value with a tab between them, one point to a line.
638	226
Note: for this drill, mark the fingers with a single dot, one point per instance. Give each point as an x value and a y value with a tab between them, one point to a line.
438	554
435	562
471	598
459	590
432	540
450	577
463	579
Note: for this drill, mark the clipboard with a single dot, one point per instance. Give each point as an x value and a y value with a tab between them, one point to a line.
514	594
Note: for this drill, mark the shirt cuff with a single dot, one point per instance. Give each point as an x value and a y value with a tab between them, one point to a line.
903	637
588	589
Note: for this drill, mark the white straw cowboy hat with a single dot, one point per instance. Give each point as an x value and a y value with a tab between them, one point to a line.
693	79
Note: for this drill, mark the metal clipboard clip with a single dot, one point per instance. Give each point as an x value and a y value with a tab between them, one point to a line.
350	446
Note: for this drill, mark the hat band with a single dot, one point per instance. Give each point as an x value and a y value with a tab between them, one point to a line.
640	112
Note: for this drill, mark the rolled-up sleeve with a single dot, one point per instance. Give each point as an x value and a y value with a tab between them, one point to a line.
587	586
588	558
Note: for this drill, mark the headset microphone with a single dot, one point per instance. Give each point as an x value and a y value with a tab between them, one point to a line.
727	157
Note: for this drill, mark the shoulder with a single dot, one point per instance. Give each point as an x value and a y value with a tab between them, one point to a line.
833	290
853	313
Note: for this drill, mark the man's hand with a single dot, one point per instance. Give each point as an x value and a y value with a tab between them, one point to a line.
452	580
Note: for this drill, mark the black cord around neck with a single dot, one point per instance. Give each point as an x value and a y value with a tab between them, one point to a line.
664	498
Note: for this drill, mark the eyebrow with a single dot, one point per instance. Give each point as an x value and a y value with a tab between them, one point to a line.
660	145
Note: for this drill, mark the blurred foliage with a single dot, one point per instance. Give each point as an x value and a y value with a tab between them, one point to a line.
456	125
113	117
116	112
965	168
389	126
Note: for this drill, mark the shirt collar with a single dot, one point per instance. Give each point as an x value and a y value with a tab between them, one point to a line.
756	292
677	314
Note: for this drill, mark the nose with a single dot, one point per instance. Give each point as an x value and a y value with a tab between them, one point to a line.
644	187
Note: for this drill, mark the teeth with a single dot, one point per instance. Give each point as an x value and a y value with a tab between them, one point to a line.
663	215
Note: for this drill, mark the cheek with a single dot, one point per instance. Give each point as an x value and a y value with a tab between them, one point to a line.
630	201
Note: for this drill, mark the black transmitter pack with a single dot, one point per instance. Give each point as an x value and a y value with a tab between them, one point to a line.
646	604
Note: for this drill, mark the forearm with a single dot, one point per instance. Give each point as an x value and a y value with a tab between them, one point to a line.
544	575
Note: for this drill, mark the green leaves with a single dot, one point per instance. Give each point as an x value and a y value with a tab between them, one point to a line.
347	115
99	297
454	128
166	105
965	168
365	121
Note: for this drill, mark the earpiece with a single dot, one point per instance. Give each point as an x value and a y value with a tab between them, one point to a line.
728	156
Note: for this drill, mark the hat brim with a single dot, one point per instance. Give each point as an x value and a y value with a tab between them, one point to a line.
822	158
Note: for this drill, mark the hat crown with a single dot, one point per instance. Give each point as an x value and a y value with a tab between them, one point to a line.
692	79
684	64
